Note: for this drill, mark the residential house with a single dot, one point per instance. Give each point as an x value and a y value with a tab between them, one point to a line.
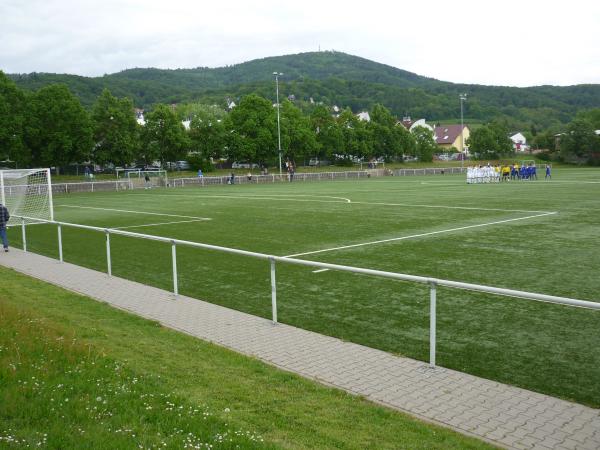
448	136
410	125
519	142
364	115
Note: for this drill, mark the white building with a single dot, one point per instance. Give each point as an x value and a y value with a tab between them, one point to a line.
364	115
519	142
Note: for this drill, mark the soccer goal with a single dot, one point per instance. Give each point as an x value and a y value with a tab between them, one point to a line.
27	194
147	178
527	162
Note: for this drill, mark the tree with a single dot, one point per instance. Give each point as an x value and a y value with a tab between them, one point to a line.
357	141
252	130
490	141
207	132
297	137
163	137
187	111
327	131
58	130
407	142
12	121
386	138
425	143
544	141
579	142
116	131
592	116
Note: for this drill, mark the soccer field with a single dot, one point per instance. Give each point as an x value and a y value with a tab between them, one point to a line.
533	236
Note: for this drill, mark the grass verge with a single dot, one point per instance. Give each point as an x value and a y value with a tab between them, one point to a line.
76	373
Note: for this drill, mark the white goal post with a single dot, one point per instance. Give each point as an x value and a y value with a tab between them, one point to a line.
155	178
27	193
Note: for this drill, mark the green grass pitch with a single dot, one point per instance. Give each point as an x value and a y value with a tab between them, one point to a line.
539	236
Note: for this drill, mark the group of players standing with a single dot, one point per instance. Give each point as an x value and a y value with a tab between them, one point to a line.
495	174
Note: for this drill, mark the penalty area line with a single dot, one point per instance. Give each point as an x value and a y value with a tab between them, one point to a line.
158	224
135	212
450	230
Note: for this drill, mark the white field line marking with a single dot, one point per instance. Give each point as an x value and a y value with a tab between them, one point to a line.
419	235
347	200
157	224
472	208
572	182
135	212
320	270
433	183
245	197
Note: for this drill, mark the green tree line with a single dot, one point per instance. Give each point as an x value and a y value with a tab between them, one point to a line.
50	127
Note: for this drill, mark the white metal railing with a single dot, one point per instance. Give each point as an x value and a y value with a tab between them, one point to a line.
428	171
121	185
432	282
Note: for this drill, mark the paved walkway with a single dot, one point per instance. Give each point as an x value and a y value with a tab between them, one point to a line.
504	415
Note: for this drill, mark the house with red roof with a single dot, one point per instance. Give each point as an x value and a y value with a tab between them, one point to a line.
448	136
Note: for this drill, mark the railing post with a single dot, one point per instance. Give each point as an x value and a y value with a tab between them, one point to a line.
23	234
108	261
174	257
432	324
60	248
273	290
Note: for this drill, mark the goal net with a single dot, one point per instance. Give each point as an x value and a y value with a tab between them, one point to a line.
147	178
27	194
527	162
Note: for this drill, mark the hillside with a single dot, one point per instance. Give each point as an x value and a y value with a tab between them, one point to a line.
334	78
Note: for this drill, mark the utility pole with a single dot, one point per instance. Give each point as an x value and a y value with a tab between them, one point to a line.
277	75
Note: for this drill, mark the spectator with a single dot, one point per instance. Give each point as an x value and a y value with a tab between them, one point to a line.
4	216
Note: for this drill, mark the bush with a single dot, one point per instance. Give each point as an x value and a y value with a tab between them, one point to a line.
199	162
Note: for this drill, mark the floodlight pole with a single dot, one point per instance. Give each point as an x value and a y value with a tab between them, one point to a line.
462	98
277	75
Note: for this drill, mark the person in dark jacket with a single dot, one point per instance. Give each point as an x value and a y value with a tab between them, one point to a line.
4	216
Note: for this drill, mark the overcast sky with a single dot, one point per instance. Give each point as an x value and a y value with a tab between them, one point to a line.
517	43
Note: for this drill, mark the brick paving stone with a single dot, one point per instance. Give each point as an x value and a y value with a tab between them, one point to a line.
529	442
508	416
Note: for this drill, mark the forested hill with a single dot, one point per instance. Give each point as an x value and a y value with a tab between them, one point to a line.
334	78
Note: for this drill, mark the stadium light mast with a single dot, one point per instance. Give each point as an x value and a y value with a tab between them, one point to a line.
277	75
462	97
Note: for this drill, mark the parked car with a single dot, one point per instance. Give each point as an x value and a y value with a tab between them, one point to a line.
318	162
182	165
240	165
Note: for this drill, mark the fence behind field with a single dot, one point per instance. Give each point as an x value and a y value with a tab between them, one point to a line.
432	282
301	177
428	171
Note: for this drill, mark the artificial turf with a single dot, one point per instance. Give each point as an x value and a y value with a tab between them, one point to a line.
467	233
